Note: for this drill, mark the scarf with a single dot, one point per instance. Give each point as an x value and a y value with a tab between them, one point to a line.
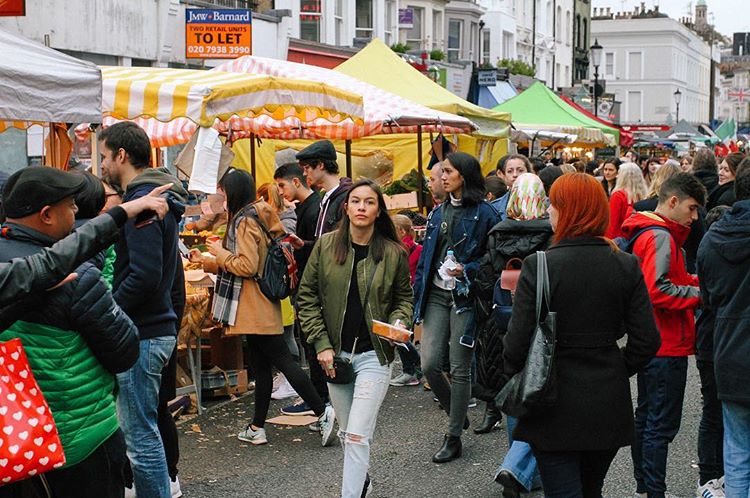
228	285
527	200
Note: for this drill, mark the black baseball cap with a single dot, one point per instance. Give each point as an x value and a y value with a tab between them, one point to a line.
27	191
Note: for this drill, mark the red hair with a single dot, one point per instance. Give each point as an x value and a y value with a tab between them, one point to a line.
582	206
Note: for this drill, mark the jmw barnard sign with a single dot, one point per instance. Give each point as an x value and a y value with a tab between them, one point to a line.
218	33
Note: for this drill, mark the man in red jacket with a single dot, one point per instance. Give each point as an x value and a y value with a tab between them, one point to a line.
658	239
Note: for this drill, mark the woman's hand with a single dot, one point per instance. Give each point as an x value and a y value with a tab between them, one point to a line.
195	256
214	247
458	271
325	358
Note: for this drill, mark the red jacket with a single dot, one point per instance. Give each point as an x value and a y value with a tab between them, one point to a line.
619	210
674	292
415	250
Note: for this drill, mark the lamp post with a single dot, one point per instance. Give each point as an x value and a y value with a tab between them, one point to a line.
677	96
596	59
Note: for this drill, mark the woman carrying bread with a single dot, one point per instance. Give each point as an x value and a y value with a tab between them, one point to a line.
356	274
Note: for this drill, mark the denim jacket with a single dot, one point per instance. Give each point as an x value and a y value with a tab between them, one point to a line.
470	234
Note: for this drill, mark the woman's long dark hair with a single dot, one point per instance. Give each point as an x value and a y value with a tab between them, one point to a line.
383	235
239	187
473	190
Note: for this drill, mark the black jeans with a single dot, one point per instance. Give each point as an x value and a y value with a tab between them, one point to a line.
410	361
266	352
711	428
165	421
573	474
317	375
661	391
101	475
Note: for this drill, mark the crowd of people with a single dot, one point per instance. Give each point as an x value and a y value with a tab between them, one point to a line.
646	261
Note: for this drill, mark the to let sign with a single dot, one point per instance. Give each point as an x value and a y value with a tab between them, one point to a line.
218	33
10	8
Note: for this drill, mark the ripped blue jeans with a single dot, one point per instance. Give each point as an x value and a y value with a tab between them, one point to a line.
357	405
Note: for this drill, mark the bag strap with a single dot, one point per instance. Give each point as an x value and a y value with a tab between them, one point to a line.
542	284
271	239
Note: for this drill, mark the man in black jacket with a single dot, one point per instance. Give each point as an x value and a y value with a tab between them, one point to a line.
76	337
25	278
147	260
724	273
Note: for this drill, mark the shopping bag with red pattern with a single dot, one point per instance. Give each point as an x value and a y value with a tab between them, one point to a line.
29	443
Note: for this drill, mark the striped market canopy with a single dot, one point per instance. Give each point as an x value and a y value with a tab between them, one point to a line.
384	112
203	97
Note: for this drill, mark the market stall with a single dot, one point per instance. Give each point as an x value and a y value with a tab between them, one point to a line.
538	108
42	86
488	143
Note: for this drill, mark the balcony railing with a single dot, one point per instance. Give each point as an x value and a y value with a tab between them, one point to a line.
222	4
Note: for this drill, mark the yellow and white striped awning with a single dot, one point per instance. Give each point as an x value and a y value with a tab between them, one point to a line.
204	96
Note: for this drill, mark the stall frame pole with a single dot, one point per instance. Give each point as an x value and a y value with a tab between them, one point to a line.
420	170
348	158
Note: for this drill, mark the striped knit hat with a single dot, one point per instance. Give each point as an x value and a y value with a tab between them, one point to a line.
527	200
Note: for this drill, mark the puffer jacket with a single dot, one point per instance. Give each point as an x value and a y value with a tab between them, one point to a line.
21	277
322	305
674	292
507	240
76	339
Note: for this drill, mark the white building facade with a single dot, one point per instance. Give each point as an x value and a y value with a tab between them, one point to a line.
132	32
645	60
538	32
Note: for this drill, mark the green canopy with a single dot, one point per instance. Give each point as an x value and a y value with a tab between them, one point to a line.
727	130
538	108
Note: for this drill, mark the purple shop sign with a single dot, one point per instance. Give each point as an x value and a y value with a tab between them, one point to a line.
406	17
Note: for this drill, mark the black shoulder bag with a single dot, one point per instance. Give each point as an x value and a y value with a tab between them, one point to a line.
343	366
535	387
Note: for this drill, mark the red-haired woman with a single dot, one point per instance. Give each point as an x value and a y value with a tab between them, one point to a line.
599	295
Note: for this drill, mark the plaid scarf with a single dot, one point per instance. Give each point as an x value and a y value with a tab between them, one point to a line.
228	285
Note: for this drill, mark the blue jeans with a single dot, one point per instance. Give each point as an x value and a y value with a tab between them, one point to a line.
736	449
661	390
410	359
357	405
520	460
137	405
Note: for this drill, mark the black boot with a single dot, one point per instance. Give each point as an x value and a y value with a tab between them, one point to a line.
450	450
511	487
492	417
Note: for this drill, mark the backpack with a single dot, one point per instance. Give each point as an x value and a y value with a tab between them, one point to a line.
626	245
279	277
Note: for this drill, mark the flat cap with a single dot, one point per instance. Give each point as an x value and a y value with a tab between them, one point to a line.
28	190
322	150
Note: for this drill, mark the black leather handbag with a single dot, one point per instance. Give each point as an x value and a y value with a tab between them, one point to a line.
535	387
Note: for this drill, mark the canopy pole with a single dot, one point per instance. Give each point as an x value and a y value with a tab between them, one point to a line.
420	170
348	158
252	154
95	164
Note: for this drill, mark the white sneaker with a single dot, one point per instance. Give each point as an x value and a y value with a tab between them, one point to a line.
278	379
284	391
130	492
712	489
253	437
174	488
327	421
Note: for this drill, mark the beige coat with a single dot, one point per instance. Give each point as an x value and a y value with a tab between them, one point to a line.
256	314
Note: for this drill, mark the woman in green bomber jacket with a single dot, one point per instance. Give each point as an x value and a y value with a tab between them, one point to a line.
365	257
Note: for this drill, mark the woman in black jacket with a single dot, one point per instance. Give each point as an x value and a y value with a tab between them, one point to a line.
723	194
599	295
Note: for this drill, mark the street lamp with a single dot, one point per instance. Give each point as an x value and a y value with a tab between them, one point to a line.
596	59
677	96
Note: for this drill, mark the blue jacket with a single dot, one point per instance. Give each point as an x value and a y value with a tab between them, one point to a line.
724	275
145	267
470	233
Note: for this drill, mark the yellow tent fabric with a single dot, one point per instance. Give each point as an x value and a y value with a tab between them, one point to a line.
203	96
378	65
382	157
